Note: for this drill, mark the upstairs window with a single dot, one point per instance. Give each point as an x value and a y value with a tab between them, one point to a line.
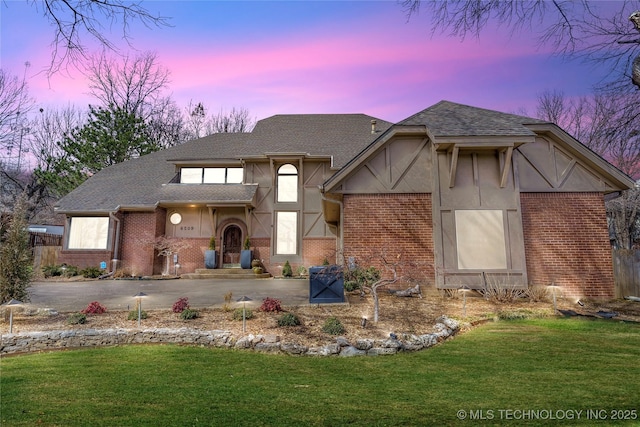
211	175
287	186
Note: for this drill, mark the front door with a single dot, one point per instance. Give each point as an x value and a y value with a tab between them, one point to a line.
231	246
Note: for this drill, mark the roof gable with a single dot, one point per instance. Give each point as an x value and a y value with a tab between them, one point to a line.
448	119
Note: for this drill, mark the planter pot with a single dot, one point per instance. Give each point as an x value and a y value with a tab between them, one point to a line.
210	259
255	263
245	258
258	270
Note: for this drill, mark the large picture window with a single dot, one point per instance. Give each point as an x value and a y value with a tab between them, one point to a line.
287	188
286	233
480	240
211	175
88	233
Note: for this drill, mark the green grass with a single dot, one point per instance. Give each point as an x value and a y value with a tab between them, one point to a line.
555	364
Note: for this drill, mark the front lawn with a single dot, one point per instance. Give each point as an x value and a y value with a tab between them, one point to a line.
533	372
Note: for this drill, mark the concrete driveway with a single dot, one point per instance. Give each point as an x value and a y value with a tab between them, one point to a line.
161	294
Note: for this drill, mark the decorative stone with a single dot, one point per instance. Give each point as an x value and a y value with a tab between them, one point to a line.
364	344
342	342
293	348
350	351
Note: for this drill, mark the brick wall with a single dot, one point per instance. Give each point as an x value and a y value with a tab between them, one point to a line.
390	225
139	229
567	242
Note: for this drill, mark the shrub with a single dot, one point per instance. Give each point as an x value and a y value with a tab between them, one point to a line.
538	293
286	270
333	326
301	271
77	319
188	314
181	305
91	272
288	319
133	315
237	314
212	243
270	305
94	308
122	273
51	271
227	301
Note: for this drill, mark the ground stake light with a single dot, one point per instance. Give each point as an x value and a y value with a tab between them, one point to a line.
11	304
244	301
465	289
139	295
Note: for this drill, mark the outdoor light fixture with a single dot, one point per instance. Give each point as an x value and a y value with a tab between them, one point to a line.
244	301
464	291
363	322
139	295
175	218
11	304
580	303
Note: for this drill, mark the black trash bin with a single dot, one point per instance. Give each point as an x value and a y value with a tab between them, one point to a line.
326	284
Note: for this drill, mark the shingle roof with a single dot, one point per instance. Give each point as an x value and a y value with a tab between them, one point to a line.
144	182
450	119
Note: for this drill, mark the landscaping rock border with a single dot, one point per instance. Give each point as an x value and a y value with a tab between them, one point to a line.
59	340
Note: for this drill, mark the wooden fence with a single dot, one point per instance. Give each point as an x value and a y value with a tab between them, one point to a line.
626	271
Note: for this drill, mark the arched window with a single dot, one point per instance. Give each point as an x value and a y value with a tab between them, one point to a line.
287	185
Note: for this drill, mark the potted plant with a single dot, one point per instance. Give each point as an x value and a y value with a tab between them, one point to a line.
246	254
211	255
256	263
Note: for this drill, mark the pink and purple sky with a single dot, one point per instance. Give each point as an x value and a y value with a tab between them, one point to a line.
290	57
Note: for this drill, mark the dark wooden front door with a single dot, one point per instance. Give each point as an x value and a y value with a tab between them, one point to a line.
232	244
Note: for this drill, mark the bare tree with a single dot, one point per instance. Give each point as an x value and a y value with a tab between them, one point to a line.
608	123
135	84
15	103
75	21
236	120
592	30
196	120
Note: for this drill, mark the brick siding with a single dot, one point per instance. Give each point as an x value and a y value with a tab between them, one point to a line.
567	243
390	225
139	229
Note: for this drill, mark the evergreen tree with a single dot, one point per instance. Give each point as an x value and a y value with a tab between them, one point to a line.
16	263
111	135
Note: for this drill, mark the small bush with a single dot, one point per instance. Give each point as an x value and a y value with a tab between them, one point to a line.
59	270
188	314
333	326
133	315
227	301
538	293
69	270
301	271
51	271
77	319
286	270
91	272
237	314
288	319
123	273
94	308
271	305
181	305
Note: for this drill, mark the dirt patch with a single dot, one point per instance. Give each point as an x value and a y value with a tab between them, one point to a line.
398	315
